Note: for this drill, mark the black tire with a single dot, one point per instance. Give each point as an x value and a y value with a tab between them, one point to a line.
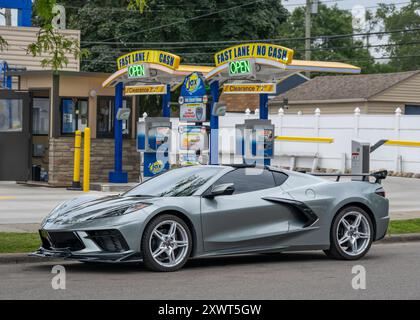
335	251
148	259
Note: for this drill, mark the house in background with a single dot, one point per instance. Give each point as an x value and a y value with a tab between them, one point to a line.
372	93
40	111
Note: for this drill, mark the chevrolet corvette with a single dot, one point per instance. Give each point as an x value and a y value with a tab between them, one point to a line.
210	210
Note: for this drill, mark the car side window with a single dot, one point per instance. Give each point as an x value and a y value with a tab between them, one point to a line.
279	177
248	179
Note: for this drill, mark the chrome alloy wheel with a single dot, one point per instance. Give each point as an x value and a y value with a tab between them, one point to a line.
353	233
169	243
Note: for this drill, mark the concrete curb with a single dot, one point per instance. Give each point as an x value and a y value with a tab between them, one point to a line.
401	238
14	258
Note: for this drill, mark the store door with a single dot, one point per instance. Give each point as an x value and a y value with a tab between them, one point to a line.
15	138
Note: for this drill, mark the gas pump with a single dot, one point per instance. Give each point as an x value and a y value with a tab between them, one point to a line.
360	158
194	110
153	139
255	141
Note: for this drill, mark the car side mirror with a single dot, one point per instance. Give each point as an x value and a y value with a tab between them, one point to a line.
225	189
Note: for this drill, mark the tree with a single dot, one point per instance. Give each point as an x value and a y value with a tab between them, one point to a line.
326	46
8	19
3	44
50	41
403	47
109	29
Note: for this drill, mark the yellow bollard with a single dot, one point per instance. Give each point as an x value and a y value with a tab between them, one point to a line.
86	161
76	168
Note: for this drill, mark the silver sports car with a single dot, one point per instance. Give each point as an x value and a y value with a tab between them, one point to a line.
217	210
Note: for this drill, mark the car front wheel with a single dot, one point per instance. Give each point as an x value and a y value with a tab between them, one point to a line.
351	234
166	243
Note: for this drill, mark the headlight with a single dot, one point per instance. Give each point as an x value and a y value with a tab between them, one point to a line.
54	211
121	211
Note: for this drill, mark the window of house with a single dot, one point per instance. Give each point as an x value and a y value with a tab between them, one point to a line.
413	110
105	117
40	116
248	179
74	114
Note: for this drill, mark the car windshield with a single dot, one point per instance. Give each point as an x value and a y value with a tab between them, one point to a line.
182	182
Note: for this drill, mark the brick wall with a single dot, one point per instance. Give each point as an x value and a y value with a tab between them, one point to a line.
61	155
240	102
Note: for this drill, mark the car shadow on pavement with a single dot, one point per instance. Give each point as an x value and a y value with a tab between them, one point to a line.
207	262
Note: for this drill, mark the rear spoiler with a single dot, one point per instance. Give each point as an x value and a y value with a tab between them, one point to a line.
379	175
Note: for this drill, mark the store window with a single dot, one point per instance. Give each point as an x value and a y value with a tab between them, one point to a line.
40	116
105	117
74	114
10	115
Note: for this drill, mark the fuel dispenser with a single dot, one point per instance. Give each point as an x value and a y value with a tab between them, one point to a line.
255	141
361	150
195	109
193	144
154	139
360	158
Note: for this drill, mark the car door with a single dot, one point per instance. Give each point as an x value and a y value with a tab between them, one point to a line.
244	220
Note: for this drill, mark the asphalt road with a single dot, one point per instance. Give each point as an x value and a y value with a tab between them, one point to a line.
392	272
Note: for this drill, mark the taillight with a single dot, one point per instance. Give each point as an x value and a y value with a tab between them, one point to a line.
380	192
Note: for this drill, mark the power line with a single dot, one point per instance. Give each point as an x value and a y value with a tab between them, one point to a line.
296	50
336	60
181	5
324	37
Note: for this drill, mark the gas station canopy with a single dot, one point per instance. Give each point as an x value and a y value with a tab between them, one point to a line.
265	63
160	68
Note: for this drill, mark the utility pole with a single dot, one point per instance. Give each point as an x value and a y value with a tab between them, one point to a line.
308	29
308	33
311	8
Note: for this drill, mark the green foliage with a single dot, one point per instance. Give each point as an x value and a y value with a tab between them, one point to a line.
55	46
404	46
51	43
329	21
43	9
137	4
3	44
163	21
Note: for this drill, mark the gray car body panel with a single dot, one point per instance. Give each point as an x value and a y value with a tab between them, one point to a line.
259	221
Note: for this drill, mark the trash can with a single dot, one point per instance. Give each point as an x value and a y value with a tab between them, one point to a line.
36	173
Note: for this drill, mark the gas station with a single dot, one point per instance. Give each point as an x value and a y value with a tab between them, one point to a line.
251	68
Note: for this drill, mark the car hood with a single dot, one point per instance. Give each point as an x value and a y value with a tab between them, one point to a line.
89	207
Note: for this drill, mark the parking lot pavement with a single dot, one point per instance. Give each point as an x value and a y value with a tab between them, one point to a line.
392	272
403	195
22	207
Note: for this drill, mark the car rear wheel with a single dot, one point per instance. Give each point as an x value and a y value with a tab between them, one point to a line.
166	243
351	234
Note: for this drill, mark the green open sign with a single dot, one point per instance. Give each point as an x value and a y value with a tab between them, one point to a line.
240	68
137	71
